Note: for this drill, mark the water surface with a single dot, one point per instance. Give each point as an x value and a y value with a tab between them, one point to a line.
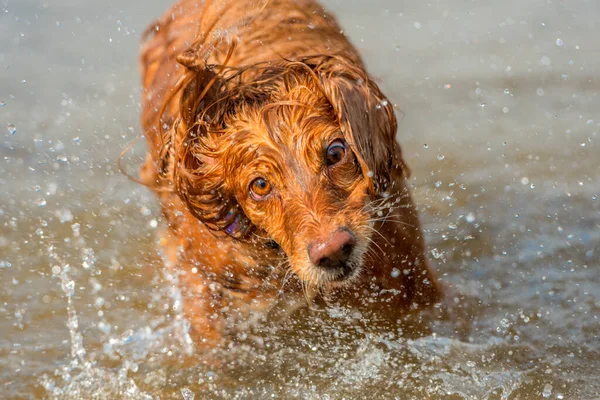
501	132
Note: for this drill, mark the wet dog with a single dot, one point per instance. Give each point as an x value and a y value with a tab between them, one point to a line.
274	157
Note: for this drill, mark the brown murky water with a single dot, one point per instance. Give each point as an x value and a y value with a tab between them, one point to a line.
501	131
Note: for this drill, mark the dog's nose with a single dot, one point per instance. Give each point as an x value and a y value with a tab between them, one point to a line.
335	252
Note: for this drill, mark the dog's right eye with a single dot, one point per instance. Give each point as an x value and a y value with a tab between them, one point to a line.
260	188
335	152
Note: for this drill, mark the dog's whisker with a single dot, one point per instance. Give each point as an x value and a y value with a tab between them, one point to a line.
379	256
288	274
391	220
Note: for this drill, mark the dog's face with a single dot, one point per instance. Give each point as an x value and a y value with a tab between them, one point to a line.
298	180
296	159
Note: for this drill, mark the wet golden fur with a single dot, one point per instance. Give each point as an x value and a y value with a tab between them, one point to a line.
240	89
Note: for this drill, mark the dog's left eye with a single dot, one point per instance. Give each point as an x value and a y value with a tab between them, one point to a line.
335	152
260	188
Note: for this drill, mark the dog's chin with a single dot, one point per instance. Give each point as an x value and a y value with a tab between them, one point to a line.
342	276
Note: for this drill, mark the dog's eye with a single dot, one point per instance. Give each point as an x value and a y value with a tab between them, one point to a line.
260	188
335	152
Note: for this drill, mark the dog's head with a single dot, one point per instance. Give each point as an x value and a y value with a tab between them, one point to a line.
295	158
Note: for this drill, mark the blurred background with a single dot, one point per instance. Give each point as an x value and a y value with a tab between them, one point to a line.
502	114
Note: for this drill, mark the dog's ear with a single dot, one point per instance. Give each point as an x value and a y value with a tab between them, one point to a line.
193	159
366	118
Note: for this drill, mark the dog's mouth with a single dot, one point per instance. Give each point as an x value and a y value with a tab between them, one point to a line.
339	273
342	273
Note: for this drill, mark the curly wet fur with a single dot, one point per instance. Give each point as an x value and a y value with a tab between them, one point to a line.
235	90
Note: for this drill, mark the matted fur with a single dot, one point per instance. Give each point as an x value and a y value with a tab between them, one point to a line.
239	89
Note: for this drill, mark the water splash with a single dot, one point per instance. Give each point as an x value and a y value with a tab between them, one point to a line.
81	378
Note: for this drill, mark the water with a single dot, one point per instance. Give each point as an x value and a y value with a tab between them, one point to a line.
501	132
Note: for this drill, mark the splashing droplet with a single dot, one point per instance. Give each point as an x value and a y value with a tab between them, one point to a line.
187	394
546	61
41	202
11	128
547	392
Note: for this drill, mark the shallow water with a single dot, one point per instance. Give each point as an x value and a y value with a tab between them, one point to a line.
501	132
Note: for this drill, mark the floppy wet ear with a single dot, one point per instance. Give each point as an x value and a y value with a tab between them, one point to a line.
192	157
366	118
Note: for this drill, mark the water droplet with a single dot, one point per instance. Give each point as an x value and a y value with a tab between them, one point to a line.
440	157
546	60
11	128
470	218
65	215
41	202
506	91
559	42
525	180
425	146
505	110
5	264
56	270
417	24
482	105
547	392
76	229
2	103
452	226
395	272
438	184
436	253
68	288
